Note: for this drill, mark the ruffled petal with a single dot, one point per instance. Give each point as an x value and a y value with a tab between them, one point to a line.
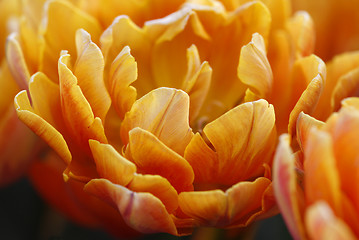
164	113
76	110
321	223
242	139
254	69
141	211
151	156
197	81
304	124
111	165
89	70
123	72
42	128
310	72
290	198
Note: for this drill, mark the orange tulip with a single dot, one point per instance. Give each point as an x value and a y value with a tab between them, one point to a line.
316	187
14	135
180	125
335	25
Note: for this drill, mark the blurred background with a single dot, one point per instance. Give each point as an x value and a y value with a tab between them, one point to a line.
25	216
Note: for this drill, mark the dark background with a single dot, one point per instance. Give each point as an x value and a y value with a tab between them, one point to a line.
24	216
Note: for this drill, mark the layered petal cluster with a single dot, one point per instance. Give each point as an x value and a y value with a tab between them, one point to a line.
333	20
162	118
13	133
316	187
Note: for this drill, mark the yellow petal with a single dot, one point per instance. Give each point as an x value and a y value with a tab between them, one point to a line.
151	156
301	29
322	223
288	194
76	110
16	61
123	72
308	71
159	187
6	82
254	69
42	128
88	69
319	155
59	25
243	142
111	165
197	81
347	86
141	211
164	113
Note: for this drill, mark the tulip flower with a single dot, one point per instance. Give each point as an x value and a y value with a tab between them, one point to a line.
316	187
168	112
14	134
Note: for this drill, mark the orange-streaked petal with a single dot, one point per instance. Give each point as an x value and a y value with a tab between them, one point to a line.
347	86
123	72
159	187
141	211
304	124
197	81
59	25
42	128
254	69
151	156
321	223
245	201
288	194
76	110
164	112
207	207
16	61
242	139
111	165
88	69
319	155
310	71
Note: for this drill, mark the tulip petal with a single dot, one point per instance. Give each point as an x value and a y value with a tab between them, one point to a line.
159	187
60	22
242	139
42	128
151	156
310	70
123	72
16	61
164	113
301	29
76	110
323	224
111	165
197	81
254	69
347	86
141	211
304	124
88	69
319	155
245	201
207	207
288	194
